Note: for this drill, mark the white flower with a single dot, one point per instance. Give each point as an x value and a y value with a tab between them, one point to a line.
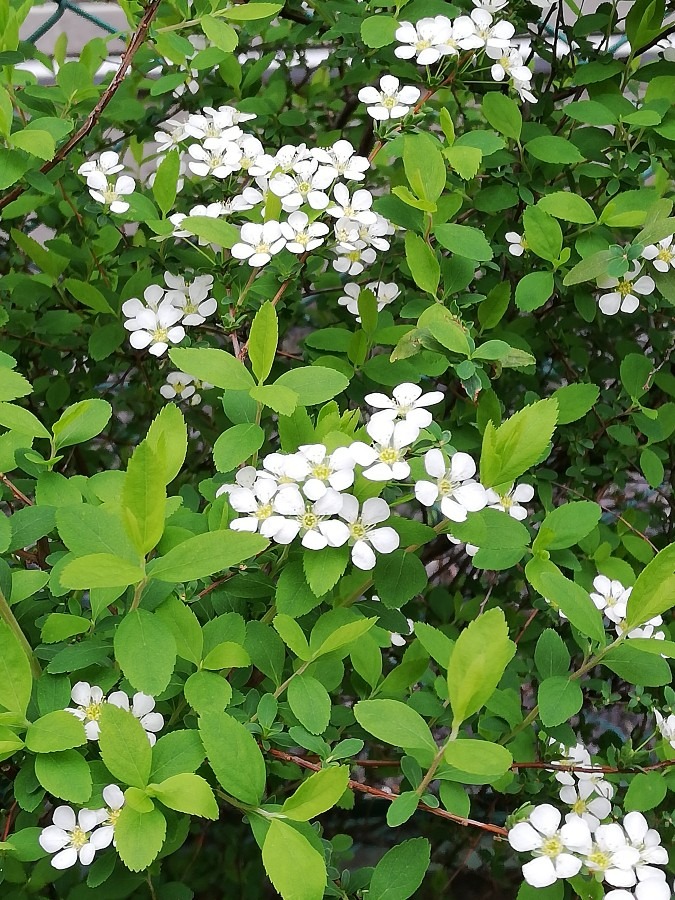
301	235
252	152
390	102
142	706
183	386
152	295
491	6
373	233
477	30
341	160
586	803
335	470
259	243
510	502
554	848
611	597
295	516
400	640
114	800
653	889
357	208
285	468
191	84
385	459
289	156
364	535
666	727
661	255
107	164
517	243
307	184
211	126
89	701
171	134
353	258
460	493
648	630
156	329
70	838
428	39
408	403
191	299
111	195
522	88
385	293
469	549
252	496
624	297
647	842
220	160
611	856
509	64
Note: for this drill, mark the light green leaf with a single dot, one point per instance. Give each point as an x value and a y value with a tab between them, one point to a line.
184	625
186	793
503	114
88	295
317	794
169	429
124	745
16	680
279	398
236	445
314	384
87	529
145	650
64	774
262	341
553	149
215	366
13	385
144	496
19	419
223	36
478	758
654	591
574	401
519	443
227	655
175	753
422	263
215	231
543	234
568	206
37	143
292	635
165	184
59	730
310	703
206	554
424	166
99	570
343	636
534	290
378	31
646	791
139	836
81	422
571	598
234	756
400	872
323	568
207	691
246	12
567	525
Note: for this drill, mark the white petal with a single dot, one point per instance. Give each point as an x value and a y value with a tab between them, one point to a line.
384	540
119	698
462	466
523	837
102	837
434	463
375	510
540	872
636	827
363	556
567	866
87	819
87	854
53	838
113	796
142	704
64	817
65	859
426	492
314	540
546	819
152	721
336	533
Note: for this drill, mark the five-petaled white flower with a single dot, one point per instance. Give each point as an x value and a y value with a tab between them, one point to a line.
355	207
553	847
259	243
586	803
612	857
517	243
342	160
364	534
408	403
111	194
510	502
89	700
191	298
72	838
391	101
294	515
661	255
113	797
647	842
107	164
156	328
334	470
385	293
183	386
253	496
508	64
306	184
141	706
611	597
477	31
302	235
624	297
353	258
459	492
428	39
384	460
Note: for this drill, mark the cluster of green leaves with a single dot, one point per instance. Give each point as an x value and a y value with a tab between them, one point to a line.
273	667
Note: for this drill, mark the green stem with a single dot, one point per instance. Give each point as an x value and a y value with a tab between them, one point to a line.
138	593
9	618
437	760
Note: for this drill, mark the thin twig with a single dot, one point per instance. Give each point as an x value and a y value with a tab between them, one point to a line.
15	490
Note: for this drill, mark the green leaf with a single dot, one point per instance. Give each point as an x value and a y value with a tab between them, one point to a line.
59	730
169	429
534	290
313	384
292	635
571	598
446	329
247	12
37	143
574	401
262	341
567	525
223	36
654	591
402	808
184	625
64	774
16	680
294	596
551	656
295	868
13	385
466	161
519	443
87	529
424	166
559	699
227	655
81	422
279	398
464	240
556	150
234	756
317	794
146	651
378	31
435	642
480	657
422	262
310	703
19	419
236	445
593	266
397	724
629	208
343	636
503	114
88	295
175	753
206	554
139	836
638	666
646	791
60	627
186	793
543	234
207	691
652	467
10	742
398	577
478	758
492	529
215	366
400	872
323	568
124	745
165	184
214	231
99	570
568	206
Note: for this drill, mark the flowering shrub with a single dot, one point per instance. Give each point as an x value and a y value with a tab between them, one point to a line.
336	410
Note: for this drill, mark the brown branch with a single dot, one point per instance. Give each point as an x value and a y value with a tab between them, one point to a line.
137	40
591	770
497	830
15	490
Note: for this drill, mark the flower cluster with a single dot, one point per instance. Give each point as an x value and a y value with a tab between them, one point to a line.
611	598
431	39
89	700
184	387
110	193
72	838
160	318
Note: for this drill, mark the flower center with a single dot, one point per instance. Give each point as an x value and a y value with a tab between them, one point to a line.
302	238
304	187
506	501
580	807
265	511
665	255
110	195
160	335
422	45
357	530
389	455
624	287
389	102
262	248
354	255
78	838
599	859
552	846
322	472
445	487
309	520
190	308
93	711
179	387
113	816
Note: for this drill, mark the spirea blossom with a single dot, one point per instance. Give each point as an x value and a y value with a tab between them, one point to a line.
156	328
454	485
667	727
428	40
661	255
72	838
365	534
384	292
384	459
555	849
259	243
88	700
517	243
391	101
407	402
111	194
626	293
610	597
511	501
